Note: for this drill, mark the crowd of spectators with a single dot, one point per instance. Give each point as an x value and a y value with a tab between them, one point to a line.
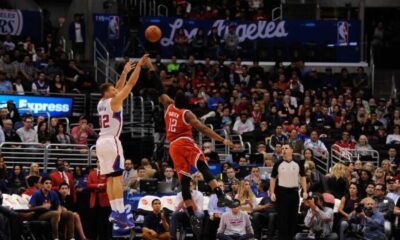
40	68
229	10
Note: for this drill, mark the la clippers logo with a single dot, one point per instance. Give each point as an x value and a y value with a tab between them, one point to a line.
343	32
11	22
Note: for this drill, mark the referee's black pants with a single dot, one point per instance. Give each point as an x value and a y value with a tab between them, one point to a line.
287	205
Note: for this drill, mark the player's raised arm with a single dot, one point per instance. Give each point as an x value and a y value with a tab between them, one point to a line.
116	102
122	78
165	100
196	123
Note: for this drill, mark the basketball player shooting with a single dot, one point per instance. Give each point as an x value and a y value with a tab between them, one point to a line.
108	146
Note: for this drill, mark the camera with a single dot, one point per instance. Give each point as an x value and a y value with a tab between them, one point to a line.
359	208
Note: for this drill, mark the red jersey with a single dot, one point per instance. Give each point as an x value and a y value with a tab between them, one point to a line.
175	124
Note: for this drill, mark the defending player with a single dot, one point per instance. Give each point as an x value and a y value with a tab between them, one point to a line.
108	146
186	153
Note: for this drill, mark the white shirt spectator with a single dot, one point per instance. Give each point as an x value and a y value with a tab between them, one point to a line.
78	33
241	127
197	198
2	137
318	147
393	139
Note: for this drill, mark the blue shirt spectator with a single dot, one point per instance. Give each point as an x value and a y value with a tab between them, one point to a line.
215	100
39	198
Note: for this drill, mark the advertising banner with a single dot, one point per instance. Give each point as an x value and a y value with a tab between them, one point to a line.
258	35
39	105
108	28
20	23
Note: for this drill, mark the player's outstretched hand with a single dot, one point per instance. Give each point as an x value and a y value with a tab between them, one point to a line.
143	60
129	66
228	143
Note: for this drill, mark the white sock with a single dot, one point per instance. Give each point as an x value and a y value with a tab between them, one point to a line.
113	205
119	205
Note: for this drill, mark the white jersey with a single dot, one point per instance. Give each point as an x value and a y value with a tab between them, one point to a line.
110	122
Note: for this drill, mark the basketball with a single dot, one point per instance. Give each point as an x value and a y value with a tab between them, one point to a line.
152	33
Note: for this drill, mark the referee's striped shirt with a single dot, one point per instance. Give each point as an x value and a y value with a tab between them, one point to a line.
288	173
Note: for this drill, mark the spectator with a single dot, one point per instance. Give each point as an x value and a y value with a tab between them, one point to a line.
18	87
198	44
155	225
3	175
26	133
277	155
129	174
315	180
150	171
43	133
319	218
385	206
243	124
366	221
77	36
41	86
99	205
59	176
58	85
235	224
297	145
141	174
173	67
379	176
8	44
33	184
349	201
278	137
211	155
181	43
34	170
17	180
28	70
231	42
230	176
215	100
73	74
81	133
67	206
393	158
317	146
393	187
308	155
181	218
9	133
215	213
170	178
264	213
213	43
365	178
5	84
362	147
10	69
336	180
246	197
47	199
370	190
61	136
394	138
254	178
13	113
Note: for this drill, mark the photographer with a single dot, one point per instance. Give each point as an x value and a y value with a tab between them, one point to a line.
385	206
365	222
319	218
155	225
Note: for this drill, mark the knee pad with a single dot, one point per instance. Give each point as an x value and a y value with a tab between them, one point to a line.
203	168
185	182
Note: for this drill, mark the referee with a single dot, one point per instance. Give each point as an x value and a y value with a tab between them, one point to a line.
284	190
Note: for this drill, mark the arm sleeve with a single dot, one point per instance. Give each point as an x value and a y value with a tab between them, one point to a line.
222	224
212	205
301	169
274	172
249	228
32	201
